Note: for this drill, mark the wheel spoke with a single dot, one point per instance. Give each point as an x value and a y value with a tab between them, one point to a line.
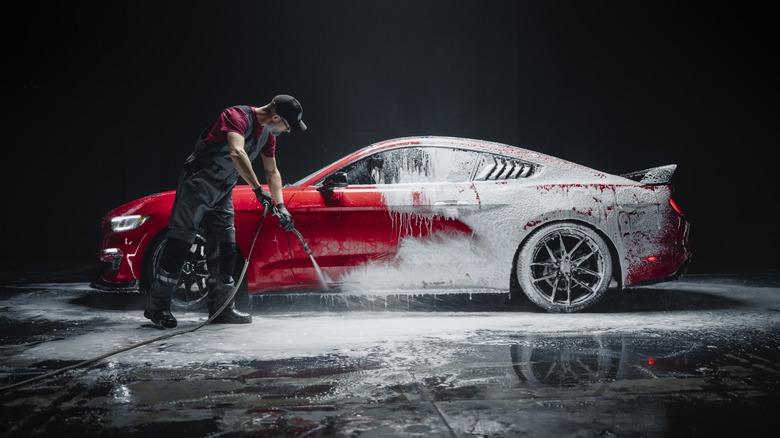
584	285
564	253
582	259
551	253
552	368
199	289
588	370
579	242
589	271
187	290
554	289
545	278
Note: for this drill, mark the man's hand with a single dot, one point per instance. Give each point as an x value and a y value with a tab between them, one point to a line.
264	197
285	220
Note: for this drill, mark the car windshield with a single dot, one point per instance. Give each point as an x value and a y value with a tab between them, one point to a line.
300	182
307	177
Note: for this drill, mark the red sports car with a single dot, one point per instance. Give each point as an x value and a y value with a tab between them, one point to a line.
432	214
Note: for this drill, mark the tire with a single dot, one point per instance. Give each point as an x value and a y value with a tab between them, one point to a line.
191	290
564	267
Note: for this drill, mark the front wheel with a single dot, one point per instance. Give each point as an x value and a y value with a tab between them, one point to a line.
564	267
191	290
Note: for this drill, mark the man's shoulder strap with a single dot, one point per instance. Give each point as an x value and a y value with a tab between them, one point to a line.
250	117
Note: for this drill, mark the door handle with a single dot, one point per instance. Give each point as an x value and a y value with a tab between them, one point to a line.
451	203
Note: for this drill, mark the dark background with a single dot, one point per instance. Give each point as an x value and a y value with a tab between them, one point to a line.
103	100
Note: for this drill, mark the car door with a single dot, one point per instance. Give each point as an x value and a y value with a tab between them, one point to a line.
394	198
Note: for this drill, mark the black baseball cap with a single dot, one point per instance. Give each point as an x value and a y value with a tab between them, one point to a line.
292	111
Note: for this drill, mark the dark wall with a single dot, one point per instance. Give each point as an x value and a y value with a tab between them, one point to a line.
104	101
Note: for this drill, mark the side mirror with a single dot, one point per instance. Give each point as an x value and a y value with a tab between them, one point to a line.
336	179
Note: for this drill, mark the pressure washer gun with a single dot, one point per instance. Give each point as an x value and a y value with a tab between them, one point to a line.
265	199
275	212
324	282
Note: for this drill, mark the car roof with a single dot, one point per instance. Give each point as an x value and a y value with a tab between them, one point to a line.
447	141
464	143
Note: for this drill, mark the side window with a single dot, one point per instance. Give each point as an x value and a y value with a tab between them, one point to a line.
453	165
390	167
405	166
358	172
414	164
363	171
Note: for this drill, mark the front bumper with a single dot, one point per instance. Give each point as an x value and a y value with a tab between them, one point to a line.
122	255
102	282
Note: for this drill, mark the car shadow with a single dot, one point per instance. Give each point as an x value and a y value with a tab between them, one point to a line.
615	301
636	300
111	300
650	299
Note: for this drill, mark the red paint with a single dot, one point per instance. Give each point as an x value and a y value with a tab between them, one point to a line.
417	198
531	224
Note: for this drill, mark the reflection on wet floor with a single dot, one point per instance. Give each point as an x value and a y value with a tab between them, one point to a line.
573	361
621	385
664	380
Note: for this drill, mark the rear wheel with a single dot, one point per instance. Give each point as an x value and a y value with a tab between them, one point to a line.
564	267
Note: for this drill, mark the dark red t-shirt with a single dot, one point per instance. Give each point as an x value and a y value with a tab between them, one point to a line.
235	120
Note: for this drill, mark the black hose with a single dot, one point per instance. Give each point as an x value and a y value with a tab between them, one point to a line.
159	338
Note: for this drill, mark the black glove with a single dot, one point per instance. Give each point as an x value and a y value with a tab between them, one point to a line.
285	220
264	197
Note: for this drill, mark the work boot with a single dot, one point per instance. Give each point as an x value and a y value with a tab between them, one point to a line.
159	311
219	292
163	318
158	303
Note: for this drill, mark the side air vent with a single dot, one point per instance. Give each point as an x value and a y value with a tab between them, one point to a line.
500	168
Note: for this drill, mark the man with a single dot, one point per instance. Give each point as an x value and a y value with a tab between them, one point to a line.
223	152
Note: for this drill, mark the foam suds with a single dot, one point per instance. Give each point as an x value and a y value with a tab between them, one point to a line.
355	334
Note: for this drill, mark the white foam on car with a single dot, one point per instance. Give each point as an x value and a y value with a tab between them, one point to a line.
483	259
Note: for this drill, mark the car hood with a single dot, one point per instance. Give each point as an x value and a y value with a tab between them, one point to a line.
150	204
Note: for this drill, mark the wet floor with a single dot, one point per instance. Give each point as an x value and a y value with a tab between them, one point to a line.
697	357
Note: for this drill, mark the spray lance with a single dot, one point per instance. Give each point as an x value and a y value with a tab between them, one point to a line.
323	280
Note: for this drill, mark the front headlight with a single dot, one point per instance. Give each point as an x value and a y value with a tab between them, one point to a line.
131	222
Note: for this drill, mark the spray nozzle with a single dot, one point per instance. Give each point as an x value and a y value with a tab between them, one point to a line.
303	242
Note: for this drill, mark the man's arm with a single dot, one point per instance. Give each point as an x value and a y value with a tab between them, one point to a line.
242	162
273	178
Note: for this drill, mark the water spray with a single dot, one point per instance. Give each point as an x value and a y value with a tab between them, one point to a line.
323	280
